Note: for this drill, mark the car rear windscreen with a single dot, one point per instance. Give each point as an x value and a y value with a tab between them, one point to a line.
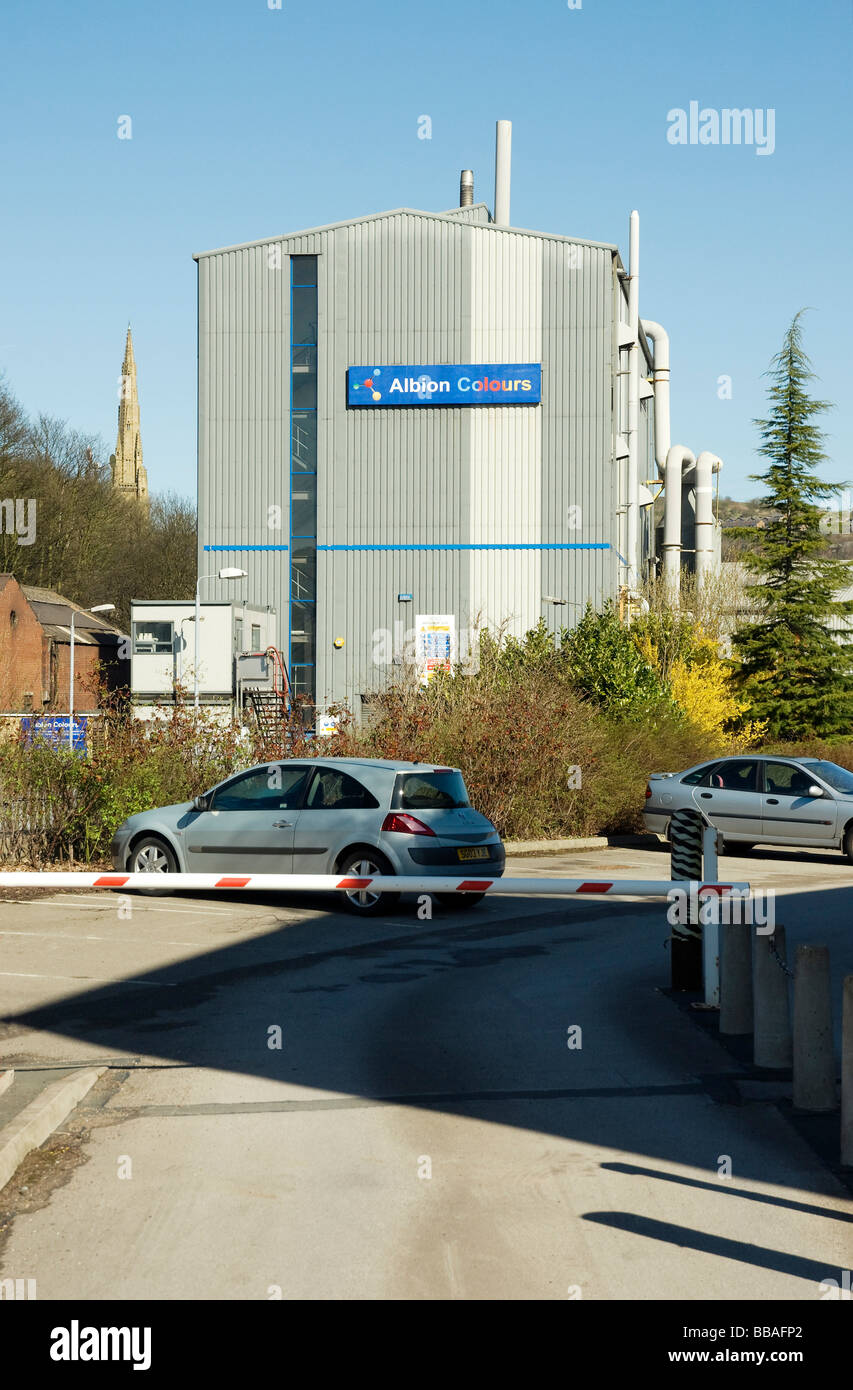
429	791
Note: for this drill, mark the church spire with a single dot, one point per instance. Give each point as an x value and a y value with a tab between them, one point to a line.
129	475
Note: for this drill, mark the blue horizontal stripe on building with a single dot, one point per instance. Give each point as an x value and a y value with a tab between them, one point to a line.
452	545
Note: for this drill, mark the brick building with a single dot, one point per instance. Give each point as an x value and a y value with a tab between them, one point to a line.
35	651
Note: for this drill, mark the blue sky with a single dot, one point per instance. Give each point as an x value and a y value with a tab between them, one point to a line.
250	122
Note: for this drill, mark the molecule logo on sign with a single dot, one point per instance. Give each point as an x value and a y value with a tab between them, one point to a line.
369	384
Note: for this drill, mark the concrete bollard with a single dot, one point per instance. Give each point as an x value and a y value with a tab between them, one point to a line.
773	1043
814	1056
736	978
847	1074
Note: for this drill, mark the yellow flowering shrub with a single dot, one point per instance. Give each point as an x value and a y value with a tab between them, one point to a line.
700	683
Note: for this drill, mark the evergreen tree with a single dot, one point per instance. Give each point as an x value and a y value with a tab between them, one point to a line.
794	674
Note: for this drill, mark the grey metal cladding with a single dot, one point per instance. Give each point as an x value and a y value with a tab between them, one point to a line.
577	466
395	476
398	476
359	597
409	288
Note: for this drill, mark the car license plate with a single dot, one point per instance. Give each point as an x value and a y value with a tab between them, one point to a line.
473	853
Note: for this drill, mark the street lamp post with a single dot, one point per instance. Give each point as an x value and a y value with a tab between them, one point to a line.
99	608
228	573
555	603
181	645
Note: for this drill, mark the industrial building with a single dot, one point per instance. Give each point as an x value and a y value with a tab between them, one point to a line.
436	421
37	629
178	651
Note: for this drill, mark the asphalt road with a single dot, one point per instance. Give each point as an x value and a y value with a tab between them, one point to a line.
424	1130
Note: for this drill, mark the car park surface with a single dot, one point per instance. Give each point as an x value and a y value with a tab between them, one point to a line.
421	1129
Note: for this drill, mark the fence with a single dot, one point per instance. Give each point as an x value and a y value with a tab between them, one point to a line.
33	827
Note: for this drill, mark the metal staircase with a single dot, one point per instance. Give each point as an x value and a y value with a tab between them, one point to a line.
271	707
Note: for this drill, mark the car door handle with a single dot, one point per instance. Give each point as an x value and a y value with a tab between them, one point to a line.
280	824
772	801
706	795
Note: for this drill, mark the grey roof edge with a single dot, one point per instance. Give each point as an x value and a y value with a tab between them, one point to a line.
449	217
53	599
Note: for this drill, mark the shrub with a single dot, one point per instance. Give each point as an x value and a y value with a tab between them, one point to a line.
605	663
55	803
539	758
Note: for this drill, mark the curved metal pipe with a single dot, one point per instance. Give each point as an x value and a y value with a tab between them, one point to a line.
707	465
660	381
678	460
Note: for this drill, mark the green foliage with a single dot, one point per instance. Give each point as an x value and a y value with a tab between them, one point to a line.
91	543
57	804
796	677
505	661
665	637
539	760
542	755
606	665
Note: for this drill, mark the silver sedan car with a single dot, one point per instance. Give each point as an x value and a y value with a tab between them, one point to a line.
760	799
359	816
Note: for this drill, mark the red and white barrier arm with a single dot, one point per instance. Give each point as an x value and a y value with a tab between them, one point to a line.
386	883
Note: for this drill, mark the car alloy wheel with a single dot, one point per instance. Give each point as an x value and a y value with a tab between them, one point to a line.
152	856
367	902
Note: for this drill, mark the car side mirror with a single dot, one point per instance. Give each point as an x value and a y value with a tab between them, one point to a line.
200	803
815	790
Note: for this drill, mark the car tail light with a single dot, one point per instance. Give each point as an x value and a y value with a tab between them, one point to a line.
648	791
402	824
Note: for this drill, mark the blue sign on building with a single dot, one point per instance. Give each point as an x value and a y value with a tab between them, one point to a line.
53	728
513	383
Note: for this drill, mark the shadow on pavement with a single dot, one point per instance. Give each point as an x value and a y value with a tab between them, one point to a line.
472	1016
687	1238
727	1189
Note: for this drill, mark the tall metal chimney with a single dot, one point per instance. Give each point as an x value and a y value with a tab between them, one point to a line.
466	188
503	160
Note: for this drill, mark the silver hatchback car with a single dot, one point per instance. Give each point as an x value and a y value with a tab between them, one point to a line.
760	799
359	816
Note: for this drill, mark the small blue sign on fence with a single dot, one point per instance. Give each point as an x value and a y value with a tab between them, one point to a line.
53	728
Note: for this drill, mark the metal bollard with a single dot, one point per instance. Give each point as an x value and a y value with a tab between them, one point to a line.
773	1044
847	1074
736	978
814	1056
685	834
711	928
